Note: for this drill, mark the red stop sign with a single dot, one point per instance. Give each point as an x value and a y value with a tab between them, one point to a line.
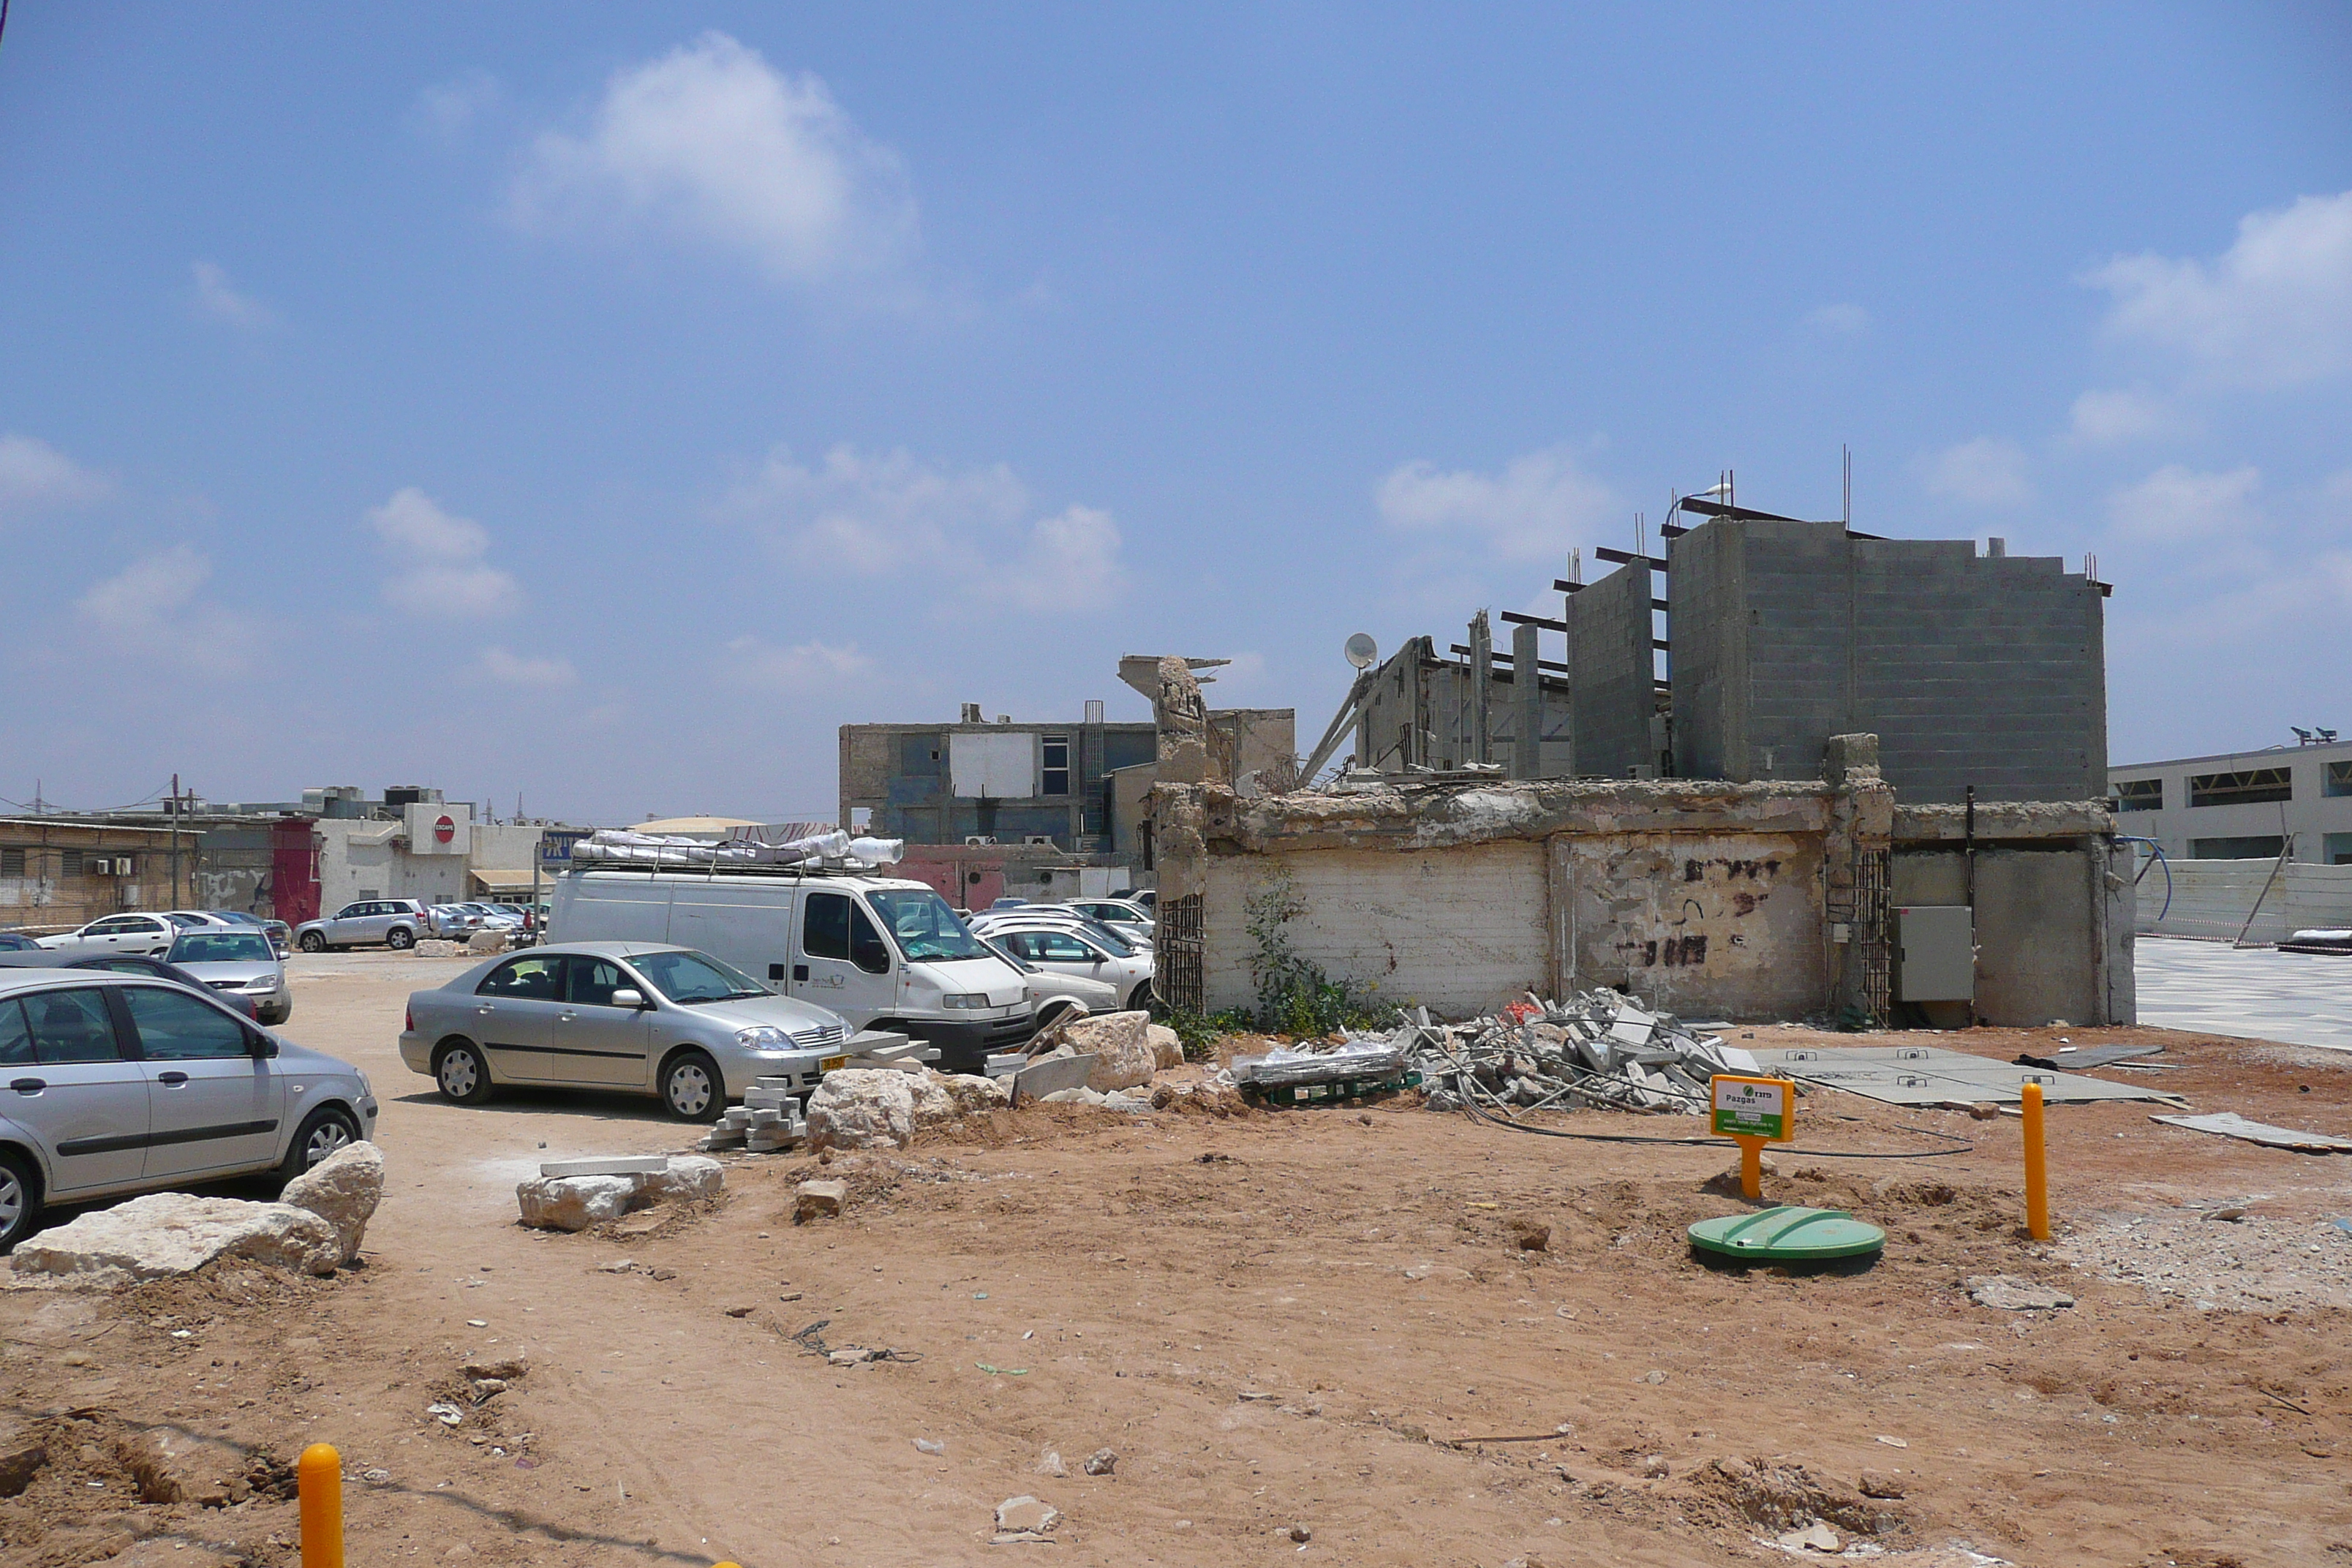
444	830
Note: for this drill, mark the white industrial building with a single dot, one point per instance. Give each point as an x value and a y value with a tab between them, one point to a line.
2243	805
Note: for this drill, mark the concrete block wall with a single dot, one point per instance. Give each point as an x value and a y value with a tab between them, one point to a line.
1613	681
1989	671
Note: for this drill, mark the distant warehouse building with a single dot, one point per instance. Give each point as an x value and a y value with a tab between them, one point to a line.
2243	805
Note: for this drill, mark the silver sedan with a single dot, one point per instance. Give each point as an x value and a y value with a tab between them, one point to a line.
239	961
639	1016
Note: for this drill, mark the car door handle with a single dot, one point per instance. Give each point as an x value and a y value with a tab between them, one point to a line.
171	1079
484	1009
29	1085
566	1015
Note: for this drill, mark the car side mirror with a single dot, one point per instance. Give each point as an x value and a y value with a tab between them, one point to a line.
262	1046
628	996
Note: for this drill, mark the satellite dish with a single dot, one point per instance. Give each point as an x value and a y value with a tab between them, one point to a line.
1363	651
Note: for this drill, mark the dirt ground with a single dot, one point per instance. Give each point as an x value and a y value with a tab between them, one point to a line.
1327	1319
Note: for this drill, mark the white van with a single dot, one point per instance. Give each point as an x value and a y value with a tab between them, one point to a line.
882	951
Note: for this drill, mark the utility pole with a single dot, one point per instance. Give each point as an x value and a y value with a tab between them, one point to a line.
174	813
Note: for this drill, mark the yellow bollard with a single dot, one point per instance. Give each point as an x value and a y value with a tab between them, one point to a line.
319	1479
2037	1175
1752	1168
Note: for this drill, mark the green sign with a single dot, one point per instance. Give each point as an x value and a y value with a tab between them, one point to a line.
1754	1108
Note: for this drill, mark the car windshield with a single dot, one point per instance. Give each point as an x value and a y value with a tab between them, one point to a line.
222	947
1023	964
188	922
688	978
927	929
1098	932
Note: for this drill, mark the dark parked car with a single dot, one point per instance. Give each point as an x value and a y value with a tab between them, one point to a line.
17	942
128	964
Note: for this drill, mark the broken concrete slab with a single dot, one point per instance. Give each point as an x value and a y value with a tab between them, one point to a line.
818	1200
1024	1515
2008	1293
1050	1075
342	1189
2230	1124
574	1202
164	1233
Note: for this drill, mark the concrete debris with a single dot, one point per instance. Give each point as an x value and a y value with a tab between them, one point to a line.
342	1189
165	1234
2230	1124
1101	1462
1597	1051
1814	1537
864	1108
575	1202
818	1200
2008	1293
1026	1518
438	947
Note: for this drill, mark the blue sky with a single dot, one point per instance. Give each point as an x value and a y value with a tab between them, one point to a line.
605	403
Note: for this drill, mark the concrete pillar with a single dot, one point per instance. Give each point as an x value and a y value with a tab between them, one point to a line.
1481	686
1526	704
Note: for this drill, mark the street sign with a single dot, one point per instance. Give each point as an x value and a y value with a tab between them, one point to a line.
1763	1108
555	848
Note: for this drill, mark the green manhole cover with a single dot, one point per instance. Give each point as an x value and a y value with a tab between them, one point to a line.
1787	1235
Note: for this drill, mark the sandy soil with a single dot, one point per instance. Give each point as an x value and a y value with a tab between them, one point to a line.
1320	1318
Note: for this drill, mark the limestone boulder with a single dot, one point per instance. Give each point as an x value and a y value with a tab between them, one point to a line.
818	1200
437	947
1167	1049
863	1108
688	1178
488	941
973	1094
1120	1044
164	1233
342	1189
575	1202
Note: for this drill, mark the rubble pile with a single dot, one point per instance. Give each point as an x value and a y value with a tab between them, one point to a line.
1596	1051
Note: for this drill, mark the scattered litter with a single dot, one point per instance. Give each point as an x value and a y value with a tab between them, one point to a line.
2230	1124
1001	1370
925	1445
1894	1443
1049	1463
1024	1519
447	1414
477	1323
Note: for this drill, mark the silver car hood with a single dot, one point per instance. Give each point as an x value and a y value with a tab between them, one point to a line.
241	971
786	1013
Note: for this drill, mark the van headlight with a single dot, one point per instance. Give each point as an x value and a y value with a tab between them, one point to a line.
965	999
763	1038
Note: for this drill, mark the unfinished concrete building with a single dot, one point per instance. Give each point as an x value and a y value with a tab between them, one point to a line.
1786	770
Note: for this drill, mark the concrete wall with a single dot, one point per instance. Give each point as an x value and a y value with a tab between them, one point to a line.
1724	924
1454	930
1613	681
1416	682
1970	670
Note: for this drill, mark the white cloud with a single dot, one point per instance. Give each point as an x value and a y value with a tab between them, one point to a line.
446	110
1983	473
151	607
752	662
438	568
871	515
2275	310
2175	504
712	142
1843	320
524	669
2111	418
216	298
1534	509
34	475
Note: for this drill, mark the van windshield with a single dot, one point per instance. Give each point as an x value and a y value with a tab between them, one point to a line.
687	978
927	929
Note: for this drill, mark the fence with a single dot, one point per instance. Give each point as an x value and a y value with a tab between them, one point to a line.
2213	898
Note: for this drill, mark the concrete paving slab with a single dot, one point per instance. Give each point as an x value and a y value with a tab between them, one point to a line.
2297	998
1929	1075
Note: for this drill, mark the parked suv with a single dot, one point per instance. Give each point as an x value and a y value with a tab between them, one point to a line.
395	923
123	1084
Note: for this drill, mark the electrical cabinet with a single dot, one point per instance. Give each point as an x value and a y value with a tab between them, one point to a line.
1934	953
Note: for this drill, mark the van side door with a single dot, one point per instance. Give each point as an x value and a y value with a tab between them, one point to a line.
844	962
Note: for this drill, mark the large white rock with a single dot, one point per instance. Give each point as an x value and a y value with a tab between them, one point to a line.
972	1094
863	1108
575	1202
1121	1046
1167	1046
165	1234
488	941
342	1189
689	1176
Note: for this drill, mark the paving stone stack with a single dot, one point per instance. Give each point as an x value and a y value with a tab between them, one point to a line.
771	1118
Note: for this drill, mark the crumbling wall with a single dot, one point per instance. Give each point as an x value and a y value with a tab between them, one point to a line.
1724	924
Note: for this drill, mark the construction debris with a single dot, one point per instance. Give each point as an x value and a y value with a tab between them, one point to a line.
1597	1051
2230	1124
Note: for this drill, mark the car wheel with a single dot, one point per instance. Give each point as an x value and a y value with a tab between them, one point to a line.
312	942
324	1130
1053	1012
400	939
1140	999
20	1200
461	1074
692	1088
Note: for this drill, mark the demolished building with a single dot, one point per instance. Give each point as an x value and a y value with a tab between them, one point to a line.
1851	776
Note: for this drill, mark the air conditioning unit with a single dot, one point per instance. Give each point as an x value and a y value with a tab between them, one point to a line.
1037	840
977	841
